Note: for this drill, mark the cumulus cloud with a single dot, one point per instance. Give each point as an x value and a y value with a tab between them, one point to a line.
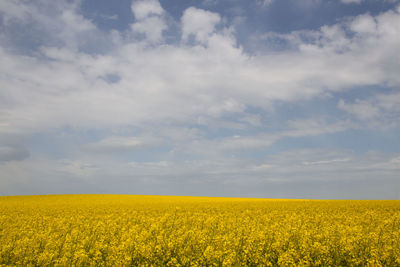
184	83
149	20
364	24
146	8
199	23
152	27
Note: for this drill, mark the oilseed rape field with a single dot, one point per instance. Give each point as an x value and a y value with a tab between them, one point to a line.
129	230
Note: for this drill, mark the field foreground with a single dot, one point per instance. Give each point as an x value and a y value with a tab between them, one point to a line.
128	230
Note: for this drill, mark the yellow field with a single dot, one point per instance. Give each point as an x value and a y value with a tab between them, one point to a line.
123	230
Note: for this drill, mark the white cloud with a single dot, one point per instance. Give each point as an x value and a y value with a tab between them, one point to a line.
264	3
252	119
389	102
351	1
330	161
149	20
300	173
364	24
361	109
199	23
145	8
202	147
381	110
108	17
43	23
111	144
330	164
13	9
152	27
183	83
314	127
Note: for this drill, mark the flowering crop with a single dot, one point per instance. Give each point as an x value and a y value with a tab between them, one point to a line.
127	230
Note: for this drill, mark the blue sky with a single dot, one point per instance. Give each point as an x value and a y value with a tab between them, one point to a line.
273	98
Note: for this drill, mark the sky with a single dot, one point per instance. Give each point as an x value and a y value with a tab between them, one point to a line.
271	99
